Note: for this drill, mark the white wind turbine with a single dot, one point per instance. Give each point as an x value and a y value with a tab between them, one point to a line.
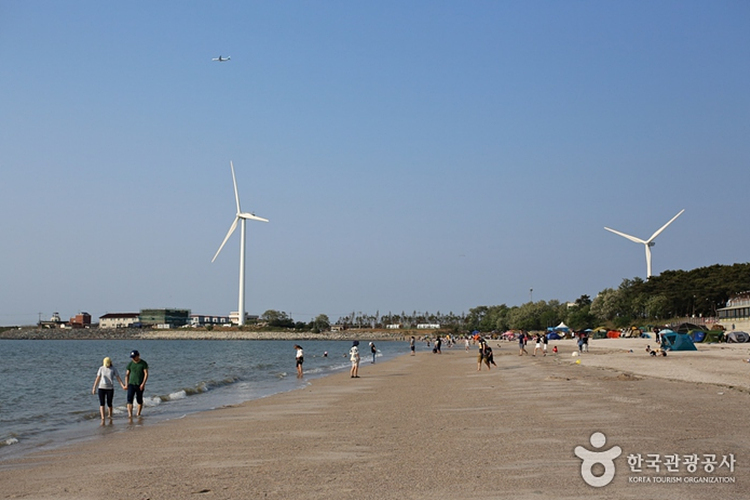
240	217
647	243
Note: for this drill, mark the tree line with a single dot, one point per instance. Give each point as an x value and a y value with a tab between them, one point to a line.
672	294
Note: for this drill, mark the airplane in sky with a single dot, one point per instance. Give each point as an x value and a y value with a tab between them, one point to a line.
221	59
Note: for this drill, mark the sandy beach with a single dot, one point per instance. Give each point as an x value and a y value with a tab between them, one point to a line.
432	426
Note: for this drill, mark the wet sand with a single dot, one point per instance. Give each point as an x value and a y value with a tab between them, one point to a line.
431	426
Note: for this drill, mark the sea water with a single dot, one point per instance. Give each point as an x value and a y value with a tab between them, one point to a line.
45	385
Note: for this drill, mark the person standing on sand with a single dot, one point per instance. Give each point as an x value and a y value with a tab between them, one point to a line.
412	344
299	359
136	374
354	358
483	355
105	384
374	351
538	345
522	344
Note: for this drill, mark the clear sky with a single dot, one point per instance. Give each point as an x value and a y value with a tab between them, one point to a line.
429	156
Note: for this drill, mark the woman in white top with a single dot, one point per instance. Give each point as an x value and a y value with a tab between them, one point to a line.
105	378
354	358
300	358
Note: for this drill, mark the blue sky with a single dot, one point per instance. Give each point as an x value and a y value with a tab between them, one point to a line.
429	156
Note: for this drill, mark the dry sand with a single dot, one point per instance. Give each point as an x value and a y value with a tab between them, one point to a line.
431	427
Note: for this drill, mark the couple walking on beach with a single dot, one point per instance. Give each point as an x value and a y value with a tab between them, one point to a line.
136	373
485	355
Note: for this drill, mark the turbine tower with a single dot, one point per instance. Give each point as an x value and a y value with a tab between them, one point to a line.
647	243
240	217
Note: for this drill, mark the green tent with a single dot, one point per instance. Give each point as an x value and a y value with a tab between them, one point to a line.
674	341
713	336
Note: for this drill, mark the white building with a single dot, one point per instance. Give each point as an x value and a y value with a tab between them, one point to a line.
200	320
118	320
736	315
234	317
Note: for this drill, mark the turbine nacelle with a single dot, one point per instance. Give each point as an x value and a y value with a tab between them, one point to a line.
251	217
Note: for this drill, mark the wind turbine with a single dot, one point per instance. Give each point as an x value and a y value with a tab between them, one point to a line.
240	217
647	243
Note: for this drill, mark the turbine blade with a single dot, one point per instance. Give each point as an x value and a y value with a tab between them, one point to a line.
631	238
231	230
236	195
657	233
251	217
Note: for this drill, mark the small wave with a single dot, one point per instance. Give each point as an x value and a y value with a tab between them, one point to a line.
209	385
153	401
9	442
177	395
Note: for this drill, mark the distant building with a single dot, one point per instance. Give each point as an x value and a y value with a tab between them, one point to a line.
54	322
428	326
81	320
393	326
165	318
736	315
234	317
200	320
118	320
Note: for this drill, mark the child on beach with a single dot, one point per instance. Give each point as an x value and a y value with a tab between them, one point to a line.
652	352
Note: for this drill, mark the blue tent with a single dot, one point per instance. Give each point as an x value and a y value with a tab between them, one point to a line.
697	335
553	336
673	341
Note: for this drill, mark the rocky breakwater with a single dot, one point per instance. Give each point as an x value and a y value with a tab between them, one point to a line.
194	334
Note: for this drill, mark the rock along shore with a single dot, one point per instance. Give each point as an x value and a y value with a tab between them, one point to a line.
195	334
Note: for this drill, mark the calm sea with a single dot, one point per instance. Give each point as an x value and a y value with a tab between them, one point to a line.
45	385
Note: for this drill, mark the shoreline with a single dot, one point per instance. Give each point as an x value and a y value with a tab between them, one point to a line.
220	374
427	426
197	334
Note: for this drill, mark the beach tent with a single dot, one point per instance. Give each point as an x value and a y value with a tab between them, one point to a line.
675	341
634	333
563	327
599	333
697	335
613	334
553	336
738	337
686	327
713	336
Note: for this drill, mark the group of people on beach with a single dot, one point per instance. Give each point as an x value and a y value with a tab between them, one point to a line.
354	357
136	374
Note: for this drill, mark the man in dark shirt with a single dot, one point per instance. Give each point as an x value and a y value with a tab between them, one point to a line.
136	373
